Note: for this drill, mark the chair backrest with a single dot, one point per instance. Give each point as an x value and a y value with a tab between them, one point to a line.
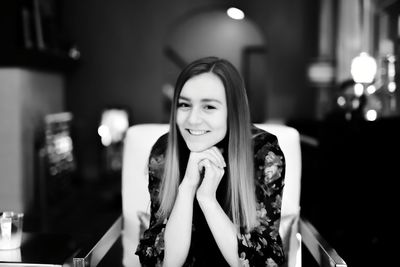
135	197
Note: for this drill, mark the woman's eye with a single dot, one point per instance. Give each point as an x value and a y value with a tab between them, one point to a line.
183	105
209	107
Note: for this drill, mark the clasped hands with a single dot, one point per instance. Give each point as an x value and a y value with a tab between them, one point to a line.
208	163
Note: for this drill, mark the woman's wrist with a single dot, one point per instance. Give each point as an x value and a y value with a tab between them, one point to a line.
187	189
206	201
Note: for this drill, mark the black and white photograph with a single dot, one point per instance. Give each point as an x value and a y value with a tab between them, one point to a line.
199	133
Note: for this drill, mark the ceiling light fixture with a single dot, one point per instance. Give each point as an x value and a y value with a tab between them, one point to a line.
235	13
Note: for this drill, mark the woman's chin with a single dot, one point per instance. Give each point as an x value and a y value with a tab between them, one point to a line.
198	147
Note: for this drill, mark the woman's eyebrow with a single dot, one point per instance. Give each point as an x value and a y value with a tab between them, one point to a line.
202	100
183	98
211	100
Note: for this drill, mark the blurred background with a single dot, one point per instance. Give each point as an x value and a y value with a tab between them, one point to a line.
74	75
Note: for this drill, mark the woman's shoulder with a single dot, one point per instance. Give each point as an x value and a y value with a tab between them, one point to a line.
160	146
265	142
261	136
269	159
157	156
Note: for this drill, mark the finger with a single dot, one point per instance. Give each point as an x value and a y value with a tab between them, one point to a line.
211	170
204	163
208	167
214	158
217	153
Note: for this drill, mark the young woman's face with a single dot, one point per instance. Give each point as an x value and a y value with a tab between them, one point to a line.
202	112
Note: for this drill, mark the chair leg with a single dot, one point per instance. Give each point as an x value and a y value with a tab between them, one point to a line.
319	248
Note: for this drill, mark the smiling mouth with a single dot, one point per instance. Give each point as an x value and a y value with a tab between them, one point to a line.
196	132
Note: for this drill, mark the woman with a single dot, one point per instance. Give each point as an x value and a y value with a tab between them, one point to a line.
215	180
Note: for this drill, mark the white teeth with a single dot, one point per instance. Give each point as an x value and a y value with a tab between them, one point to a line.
196	132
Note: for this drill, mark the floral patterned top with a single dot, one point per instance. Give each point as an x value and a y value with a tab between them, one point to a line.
262	246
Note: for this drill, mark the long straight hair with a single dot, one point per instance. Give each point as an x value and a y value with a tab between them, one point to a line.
240	171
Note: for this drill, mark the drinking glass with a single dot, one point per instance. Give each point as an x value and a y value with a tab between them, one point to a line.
10	229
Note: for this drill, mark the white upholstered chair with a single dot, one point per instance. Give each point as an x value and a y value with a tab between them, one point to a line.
136	200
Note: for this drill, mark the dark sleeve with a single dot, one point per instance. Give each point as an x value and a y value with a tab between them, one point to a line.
151	245
262	246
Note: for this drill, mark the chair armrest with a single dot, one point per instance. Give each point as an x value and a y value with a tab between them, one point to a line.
319	248
95	249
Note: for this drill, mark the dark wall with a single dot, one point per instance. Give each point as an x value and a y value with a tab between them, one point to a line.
291	29
355	188
122	63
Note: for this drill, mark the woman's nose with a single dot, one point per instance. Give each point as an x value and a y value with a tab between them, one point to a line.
194	116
